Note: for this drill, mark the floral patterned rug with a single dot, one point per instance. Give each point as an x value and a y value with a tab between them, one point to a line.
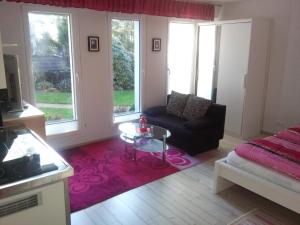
105	169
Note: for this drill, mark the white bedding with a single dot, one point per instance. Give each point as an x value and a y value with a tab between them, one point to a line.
263	172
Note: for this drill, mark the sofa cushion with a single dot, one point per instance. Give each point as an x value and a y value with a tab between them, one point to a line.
196	107
177	104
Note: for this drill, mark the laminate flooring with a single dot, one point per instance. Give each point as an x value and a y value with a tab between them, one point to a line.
183	198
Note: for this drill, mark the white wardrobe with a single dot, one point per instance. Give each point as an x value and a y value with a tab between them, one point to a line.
240	74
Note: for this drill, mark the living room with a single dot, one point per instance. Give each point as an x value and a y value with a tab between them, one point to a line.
93	91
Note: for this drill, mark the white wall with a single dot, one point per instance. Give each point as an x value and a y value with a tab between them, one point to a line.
283	93
290	92
95	81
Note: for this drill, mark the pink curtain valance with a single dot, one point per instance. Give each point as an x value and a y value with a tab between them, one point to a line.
169	8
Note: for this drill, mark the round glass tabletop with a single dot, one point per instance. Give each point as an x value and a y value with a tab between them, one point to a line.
132	130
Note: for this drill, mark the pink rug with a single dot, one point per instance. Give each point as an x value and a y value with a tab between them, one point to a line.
104	170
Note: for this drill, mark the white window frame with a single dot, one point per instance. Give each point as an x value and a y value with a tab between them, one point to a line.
64	126
141	19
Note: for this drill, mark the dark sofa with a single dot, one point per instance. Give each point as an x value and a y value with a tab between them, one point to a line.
194	136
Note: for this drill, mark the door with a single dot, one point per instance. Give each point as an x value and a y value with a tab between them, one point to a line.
233	66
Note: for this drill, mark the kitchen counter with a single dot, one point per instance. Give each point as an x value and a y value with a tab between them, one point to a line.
32	168
31	117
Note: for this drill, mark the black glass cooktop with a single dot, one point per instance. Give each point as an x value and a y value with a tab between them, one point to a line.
22	156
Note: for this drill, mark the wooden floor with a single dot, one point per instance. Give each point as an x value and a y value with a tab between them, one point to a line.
183	198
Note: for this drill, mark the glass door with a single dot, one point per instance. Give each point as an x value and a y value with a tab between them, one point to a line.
126	66
52	65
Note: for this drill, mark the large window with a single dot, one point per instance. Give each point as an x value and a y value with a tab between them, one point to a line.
126	66
181	50
191	59
51	58
206	60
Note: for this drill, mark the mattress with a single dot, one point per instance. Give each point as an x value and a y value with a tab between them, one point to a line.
263	172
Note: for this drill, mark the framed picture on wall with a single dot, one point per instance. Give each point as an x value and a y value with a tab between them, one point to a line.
156	44
93	44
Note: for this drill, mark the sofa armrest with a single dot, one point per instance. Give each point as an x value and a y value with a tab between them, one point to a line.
201	123
217	112
154	111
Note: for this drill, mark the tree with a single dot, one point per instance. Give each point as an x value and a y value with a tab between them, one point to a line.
123	54
124	31
45	46
63	39
123	66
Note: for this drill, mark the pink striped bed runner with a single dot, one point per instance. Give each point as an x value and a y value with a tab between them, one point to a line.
280	152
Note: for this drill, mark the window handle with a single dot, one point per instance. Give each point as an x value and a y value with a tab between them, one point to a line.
77	77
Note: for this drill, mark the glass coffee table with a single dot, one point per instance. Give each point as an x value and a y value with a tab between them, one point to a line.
153	140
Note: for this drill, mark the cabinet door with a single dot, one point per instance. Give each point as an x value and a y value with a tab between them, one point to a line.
232	69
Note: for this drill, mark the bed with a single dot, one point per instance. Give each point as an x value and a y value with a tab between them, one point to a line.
269	167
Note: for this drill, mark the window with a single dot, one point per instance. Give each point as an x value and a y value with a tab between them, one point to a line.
52	65
181	57
206	60
126	66
191	59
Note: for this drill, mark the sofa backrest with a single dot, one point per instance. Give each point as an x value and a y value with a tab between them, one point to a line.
215	111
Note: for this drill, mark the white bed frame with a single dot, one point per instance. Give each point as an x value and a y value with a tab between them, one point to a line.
226	175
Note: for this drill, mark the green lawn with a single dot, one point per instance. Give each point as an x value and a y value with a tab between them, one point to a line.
125	97
57	114
54	97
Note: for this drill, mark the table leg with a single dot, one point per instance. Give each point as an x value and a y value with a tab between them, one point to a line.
164	149
134	149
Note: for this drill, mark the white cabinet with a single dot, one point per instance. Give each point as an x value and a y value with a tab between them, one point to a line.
233	67
242	67
241	71
2	71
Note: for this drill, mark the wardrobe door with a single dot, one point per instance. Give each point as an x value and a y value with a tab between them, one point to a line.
232	69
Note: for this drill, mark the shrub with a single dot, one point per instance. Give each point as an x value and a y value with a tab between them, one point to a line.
43	85
123	66
65	85
55	77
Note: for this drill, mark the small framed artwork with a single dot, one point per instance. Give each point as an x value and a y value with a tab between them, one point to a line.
156	44
93	43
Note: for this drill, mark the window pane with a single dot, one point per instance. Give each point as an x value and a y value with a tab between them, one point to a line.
206	60
125	53
51	65
180	57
